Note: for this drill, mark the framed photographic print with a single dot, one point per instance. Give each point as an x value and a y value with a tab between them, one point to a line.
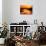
26	9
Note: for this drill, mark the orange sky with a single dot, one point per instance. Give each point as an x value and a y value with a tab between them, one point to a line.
26	6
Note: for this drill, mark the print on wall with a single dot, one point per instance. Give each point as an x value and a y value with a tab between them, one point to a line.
26	9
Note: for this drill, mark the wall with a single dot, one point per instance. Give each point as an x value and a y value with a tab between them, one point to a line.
16	11
4	11
0	13
11	11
